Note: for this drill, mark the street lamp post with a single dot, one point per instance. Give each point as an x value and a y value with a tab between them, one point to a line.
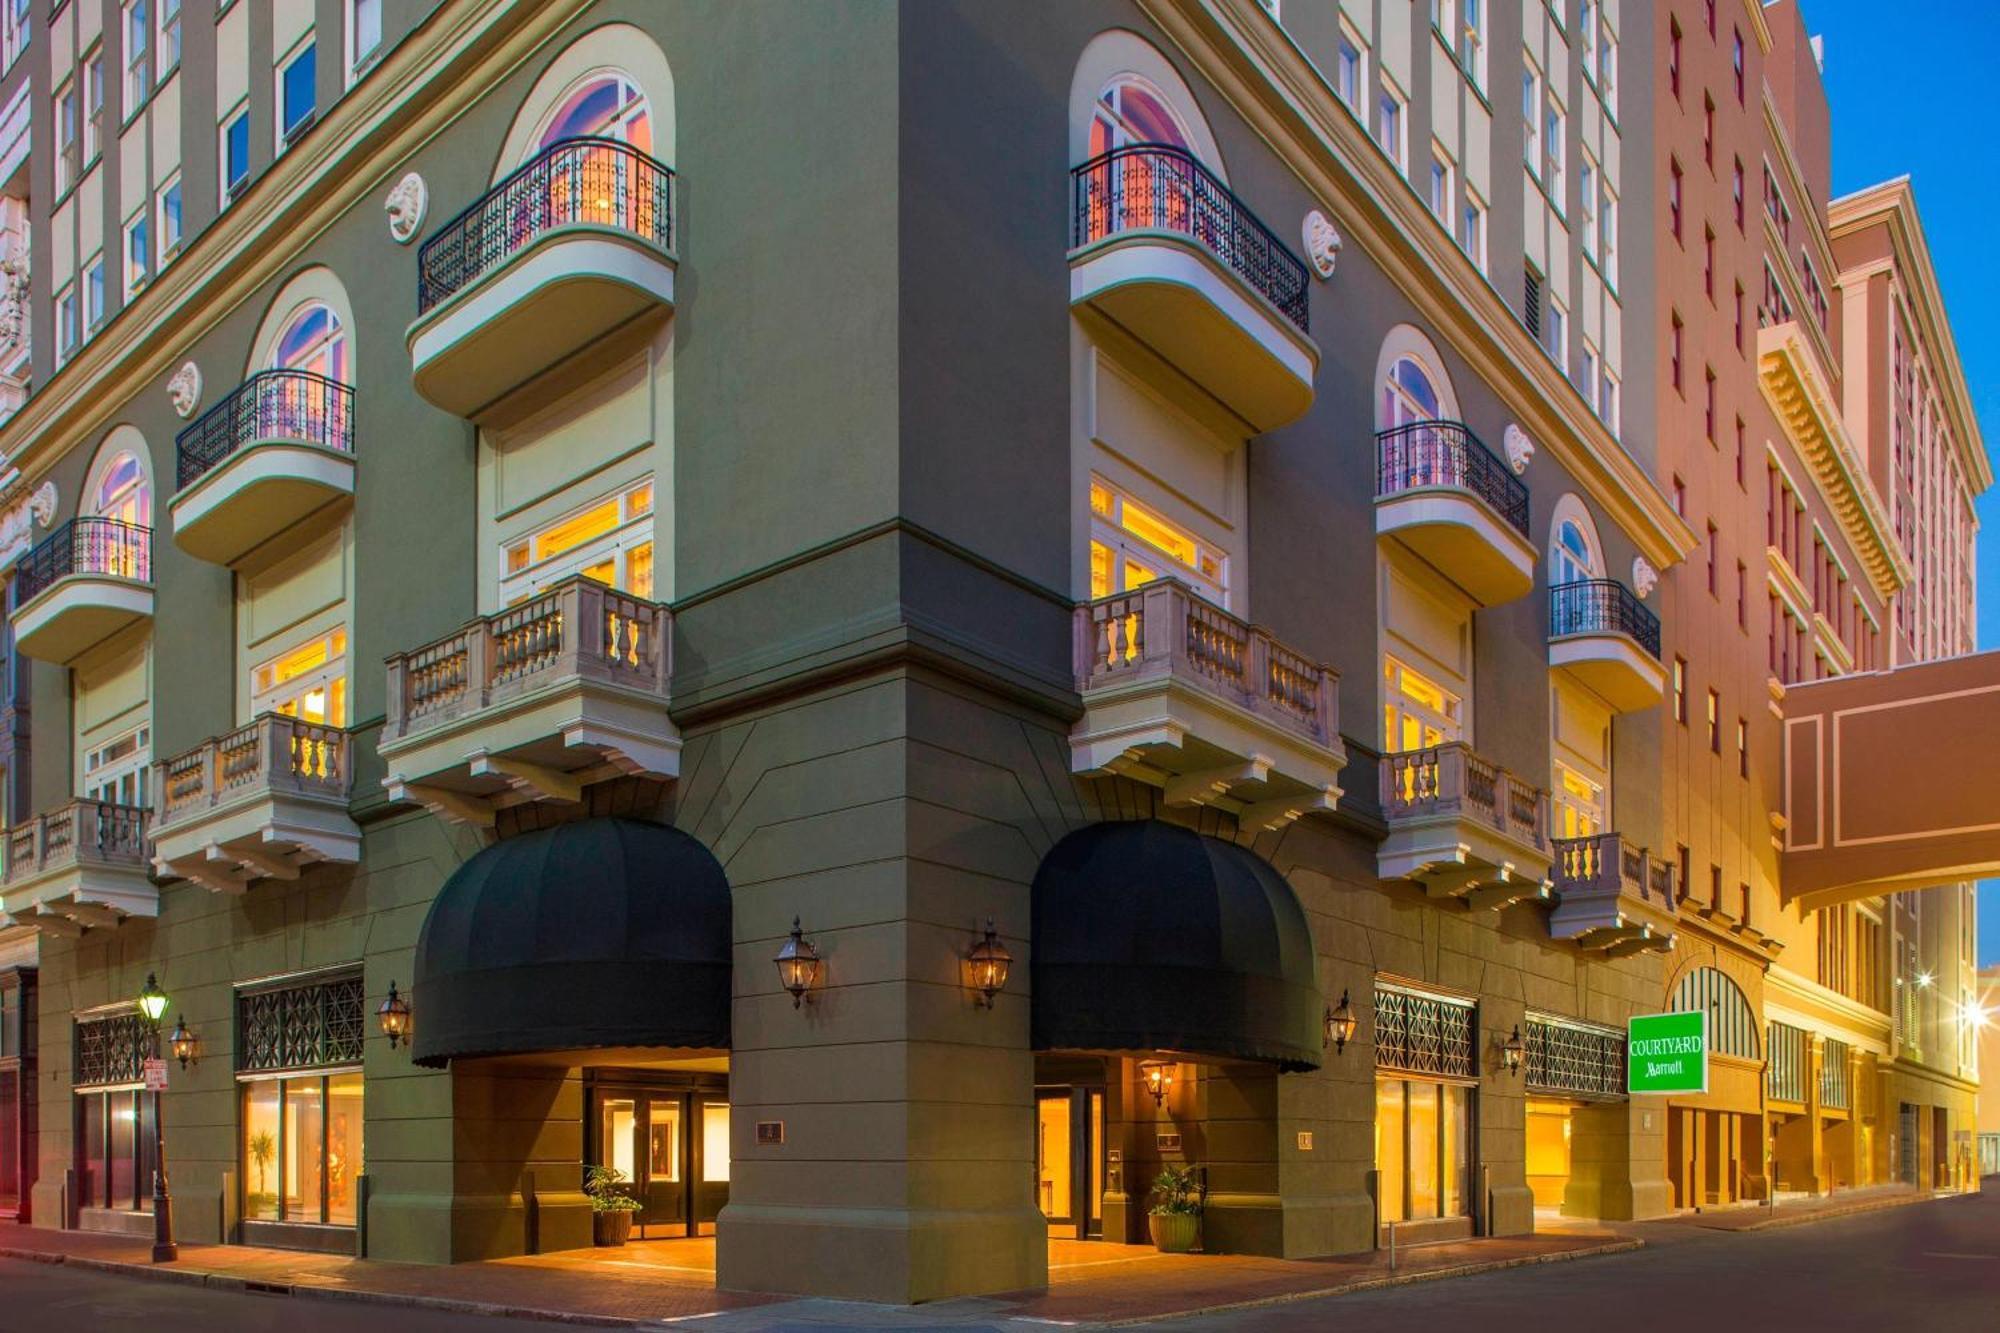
153	1005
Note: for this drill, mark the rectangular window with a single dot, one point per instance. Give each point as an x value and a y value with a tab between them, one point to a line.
609	540
1715	886
1472	41
1708	131
299	1076
1736	192
170	37
1390	127
1739	317
1608	227
1708	262
1586	196
1419	712
1681	690
296	93
1736	65
1587	375
1713	544
1555	138
1350	71
1608	404
170	219
1714	722
1680	496
93	296
66	323
1674	56
1674	353
138	35
1472	235
116	771
1742	748
1742	596
69	162
93	106
1674	198
364	35
1708	403
235	136
1531	118
1441	186
308	681
138	255
1557	336
1531	300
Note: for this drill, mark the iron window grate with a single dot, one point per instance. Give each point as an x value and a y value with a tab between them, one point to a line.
1417	1033
111	1049
1575	1059
306	1026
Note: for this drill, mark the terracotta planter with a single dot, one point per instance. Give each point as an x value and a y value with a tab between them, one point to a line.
1174	1233
611	1228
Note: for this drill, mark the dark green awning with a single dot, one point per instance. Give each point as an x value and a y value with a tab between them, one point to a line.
601	932
1152	937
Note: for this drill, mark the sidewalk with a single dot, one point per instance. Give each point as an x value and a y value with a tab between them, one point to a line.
1800	1212
1089	1282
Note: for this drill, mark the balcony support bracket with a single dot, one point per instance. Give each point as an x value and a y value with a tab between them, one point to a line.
546	784
1204	785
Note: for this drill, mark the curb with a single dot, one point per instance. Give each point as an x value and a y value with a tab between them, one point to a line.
1828	1214
1377	1283
225	1282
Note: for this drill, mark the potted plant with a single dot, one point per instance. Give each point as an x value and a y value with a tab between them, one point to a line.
611	1208
1175	1217
262	1148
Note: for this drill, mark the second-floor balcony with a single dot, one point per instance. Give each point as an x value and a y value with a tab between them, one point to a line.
533	703
261	462
574	244
1613	895
262	802
1463	827
1159	246
1605	638
1445	496
1181	695
80	865
86	581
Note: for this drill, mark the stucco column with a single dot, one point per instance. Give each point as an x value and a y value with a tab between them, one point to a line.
1616	1171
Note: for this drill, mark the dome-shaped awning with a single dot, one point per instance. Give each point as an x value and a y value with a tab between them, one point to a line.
602	932
1152	937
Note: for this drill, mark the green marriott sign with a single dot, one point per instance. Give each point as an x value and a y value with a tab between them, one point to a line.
1667	1053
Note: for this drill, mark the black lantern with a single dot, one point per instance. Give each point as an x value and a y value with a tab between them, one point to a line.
1159	1076
798	965
153	1001
1513	1050
183	1043
988	962
394	1018
1340	1024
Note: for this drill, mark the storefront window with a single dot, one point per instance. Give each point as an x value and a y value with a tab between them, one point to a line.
302	1121
715	1141
114	1120
1422	1148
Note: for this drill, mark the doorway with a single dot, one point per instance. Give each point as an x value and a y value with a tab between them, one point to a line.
1069	1160
669	1135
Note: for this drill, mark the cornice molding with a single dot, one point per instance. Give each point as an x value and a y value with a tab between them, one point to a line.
434	76
1801	396
1280	95
1893	204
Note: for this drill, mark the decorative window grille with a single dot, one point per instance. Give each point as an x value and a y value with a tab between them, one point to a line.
1575	1059
1421	1033
300	1025
1732	1026
1834	1091
111	1049
1785	1077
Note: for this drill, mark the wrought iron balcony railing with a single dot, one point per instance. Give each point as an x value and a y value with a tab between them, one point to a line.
1602	606
1452	780
578	629
93	546
271	405
1159	187
271	755
78	832
1164	629
1423	454
574	182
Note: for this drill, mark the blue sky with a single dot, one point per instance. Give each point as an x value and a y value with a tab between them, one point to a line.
1898	89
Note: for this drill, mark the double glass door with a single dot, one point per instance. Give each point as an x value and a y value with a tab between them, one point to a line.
1069	1160
672	1144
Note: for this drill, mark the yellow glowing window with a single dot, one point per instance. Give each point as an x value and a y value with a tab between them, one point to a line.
301	661
1141	545
1100	568
639	571
1157	533
1580	787
1100	499
573	532
639	501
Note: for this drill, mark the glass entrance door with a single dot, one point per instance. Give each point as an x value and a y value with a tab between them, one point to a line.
672	1144
1069	1160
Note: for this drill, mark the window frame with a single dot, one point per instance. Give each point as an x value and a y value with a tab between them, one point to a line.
166	25
91	278
305	49
135	77
137	275
356	62
166	248
633	529
230	190
1390	101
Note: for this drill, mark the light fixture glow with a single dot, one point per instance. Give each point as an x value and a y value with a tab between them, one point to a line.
152	1000
1159	1076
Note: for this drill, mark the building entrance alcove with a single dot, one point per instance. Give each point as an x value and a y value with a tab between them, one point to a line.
667	1131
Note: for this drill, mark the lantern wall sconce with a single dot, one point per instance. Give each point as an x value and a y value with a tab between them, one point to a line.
153	1001
988	963
394	1018
184	1044
798	965
1340	1024
1513	1050
1159	1077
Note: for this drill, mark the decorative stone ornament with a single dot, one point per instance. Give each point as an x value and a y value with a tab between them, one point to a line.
1520	449
42	504
407	205
1644	577
185	389
1322	243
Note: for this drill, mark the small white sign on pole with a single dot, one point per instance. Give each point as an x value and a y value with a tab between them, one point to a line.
156	1075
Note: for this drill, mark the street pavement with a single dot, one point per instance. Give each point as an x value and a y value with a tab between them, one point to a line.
1933	1267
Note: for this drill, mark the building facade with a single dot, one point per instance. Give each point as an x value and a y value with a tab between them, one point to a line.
1202	550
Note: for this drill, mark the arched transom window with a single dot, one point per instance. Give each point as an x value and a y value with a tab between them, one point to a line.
604	106
1732	1025
1131	110
1573	554
123	492
1408	394
313	341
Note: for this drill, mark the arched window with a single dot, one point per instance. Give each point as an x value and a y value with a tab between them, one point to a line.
123	492
1574	552
1732	1026
604	106
1131	110
313	341
1408	394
